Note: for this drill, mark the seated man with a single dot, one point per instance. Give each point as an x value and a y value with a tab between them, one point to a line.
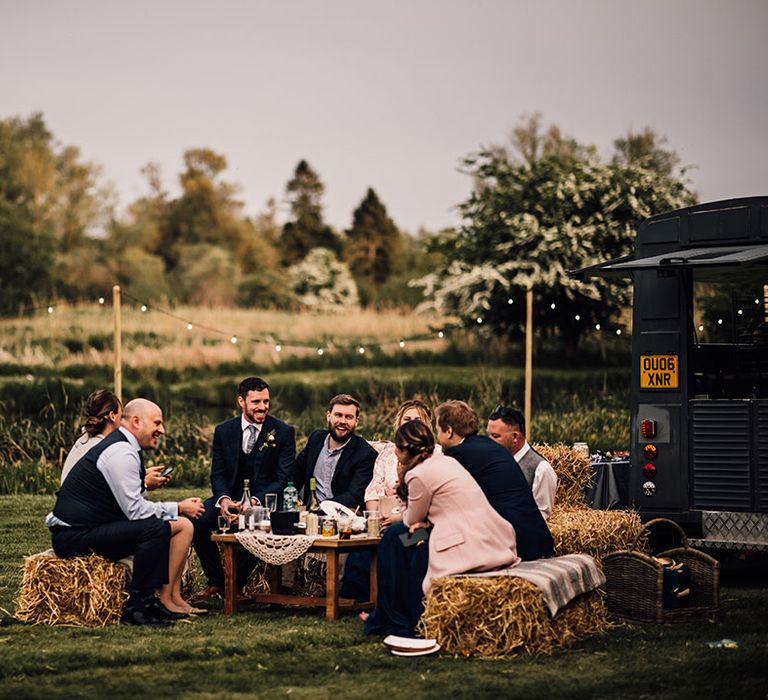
507	427
498	475
254	446
101	509
340	461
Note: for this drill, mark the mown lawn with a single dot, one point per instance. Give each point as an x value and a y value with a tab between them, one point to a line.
269	653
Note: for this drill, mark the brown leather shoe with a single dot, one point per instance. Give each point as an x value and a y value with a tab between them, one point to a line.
208	592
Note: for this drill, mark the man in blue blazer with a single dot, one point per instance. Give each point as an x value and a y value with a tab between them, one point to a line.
340	461
498	475
253	446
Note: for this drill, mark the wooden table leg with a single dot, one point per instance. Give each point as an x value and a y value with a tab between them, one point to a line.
275	578
331	584
374	581
230	578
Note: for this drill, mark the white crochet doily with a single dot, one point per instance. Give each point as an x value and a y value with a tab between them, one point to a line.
276	549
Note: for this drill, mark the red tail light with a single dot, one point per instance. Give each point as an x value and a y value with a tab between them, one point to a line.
649	471
648	428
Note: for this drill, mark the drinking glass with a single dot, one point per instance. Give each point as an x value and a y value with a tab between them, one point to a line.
223	524
271	501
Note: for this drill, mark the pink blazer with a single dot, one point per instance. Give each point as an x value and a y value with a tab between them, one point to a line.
467	534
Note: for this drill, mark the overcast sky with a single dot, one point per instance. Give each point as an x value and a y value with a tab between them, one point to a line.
390	94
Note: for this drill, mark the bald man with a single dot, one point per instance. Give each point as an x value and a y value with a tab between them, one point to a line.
101	509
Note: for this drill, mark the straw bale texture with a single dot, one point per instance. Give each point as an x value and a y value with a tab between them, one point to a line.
573	473
505	616
593	532
80	592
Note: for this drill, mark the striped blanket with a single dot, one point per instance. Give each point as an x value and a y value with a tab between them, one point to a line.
560	579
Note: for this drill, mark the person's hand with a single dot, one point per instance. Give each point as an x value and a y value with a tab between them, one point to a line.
416	526
191	507
153	479
228	508
393	518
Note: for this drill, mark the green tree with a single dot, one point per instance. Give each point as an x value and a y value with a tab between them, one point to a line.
305	230
533	219
25	262
373	242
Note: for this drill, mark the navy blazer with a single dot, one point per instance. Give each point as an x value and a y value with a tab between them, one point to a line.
272	464
354	470
505	487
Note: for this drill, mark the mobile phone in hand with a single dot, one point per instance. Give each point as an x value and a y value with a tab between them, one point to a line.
167	471
409	539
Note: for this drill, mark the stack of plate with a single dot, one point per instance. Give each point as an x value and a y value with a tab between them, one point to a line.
406	646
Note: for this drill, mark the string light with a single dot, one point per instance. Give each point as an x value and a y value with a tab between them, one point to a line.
233	339
719	321
278	347
143	308
402	343
577	317
597	326
701	328
510	301
618	331
552	306
740	312
479	319
189	326
320	351
757	301
50	309
101	301
361	350
440	334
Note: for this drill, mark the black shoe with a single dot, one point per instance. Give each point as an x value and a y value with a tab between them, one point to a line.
154	608
139	616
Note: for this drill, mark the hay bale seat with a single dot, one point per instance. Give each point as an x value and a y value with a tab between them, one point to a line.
80	592
505	616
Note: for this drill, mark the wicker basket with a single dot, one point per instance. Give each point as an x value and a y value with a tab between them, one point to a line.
635	581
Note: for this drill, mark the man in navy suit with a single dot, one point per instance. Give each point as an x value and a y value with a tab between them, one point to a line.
340	461
254	446
498	475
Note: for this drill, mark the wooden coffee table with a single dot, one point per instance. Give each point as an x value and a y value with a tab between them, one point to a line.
331	547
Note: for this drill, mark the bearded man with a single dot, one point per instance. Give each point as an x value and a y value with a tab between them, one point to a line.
340	461
254	446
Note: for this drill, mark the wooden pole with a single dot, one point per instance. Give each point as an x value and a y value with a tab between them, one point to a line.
118	342
528	360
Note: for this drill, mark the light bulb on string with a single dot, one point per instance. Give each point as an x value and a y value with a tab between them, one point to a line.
361	350
740	312
552	306
50	309
320	351
278	347
440	334
143	308
577	317
233	340
189	326
402	343
618	331
719	321
510	301
757	301
597	326
701	328
101	301
479	319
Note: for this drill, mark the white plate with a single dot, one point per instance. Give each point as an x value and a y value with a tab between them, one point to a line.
419	652
336	509
408	643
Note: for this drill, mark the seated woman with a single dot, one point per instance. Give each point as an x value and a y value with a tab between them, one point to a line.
385	477
103	413
467	534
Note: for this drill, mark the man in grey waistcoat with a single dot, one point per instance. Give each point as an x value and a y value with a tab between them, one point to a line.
507	427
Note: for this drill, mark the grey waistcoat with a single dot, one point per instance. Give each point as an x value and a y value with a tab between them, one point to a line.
528	463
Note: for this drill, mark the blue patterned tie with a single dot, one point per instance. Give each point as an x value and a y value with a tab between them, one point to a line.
251	440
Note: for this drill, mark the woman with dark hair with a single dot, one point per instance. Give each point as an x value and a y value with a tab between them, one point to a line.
466	533
103	412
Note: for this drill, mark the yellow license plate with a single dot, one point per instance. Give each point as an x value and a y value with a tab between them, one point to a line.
659	371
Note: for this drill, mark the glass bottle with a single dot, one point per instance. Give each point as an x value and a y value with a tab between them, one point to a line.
312	505
245	512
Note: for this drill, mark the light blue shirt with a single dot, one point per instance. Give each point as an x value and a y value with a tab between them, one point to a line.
325	468
120	464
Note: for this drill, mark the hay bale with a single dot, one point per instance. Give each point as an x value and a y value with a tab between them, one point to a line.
505	616
574	474
80	592
258	580
309	577
593	532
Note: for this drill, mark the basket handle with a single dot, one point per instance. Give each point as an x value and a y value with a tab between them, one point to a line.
661	521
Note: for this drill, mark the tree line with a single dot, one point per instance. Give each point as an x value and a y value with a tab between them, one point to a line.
539	206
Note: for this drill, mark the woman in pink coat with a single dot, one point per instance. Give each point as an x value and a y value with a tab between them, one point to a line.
467	533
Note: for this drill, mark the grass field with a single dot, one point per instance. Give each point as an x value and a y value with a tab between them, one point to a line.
270	652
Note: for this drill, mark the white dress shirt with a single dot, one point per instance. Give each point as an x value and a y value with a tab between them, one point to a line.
544	483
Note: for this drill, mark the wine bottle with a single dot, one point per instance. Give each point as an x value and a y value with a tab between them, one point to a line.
313	506
245	512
